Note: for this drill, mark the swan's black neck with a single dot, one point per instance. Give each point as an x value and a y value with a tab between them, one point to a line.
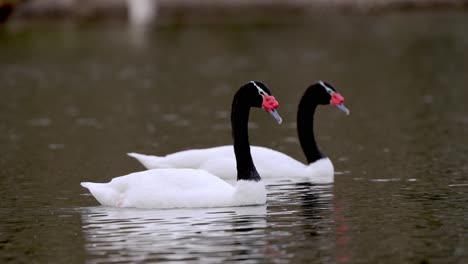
305	126
239	120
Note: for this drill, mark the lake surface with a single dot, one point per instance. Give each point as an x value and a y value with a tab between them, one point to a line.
75	97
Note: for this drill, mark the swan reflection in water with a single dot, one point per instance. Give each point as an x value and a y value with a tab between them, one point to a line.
132	235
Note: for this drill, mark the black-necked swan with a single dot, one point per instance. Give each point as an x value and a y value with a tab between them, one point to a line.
269	163
177	188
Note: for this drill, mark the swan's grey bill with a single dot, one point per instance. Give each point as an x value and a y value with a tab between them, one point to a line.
343	108
277	117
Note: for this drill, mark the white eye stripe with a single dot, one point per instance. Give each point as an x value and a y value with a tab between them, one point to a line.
328	89
260	90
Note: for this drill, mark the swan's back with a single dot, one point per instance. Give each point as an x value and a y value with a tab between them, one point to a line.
166	188
274	164
192	158
221	162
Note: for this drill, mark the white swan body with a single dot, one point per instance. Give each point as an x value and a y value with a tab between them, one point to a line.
175	188
221	162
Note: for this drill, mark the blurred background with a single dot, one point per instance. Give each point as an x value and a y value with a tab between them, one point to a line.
147	11
84	82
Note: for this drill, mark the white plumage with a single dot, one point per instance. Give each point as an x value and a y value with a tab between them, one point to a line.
221	162
175	188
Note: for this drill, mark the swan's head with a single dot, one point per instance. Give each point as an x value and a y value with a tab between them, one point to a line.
329	95
261	97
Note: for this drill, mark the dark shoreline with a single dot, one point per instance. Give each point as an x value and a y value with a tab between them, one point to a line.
212	9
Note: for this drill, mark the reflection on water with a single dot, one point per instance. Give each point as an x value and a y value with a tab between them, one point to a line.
132	235
212	235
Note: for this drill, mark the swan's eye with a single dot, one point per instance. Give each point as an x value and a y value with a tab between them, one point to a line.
328	89
260	90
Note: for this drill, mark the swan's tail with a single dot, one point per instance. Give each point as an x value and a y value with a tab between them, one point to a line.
149	161
103	193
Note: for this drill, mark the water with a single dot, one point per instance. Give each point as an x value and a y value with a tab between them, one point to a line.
75	97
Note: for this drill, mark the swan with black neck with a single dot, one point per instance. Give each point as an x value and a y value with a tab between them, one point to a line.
177	188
